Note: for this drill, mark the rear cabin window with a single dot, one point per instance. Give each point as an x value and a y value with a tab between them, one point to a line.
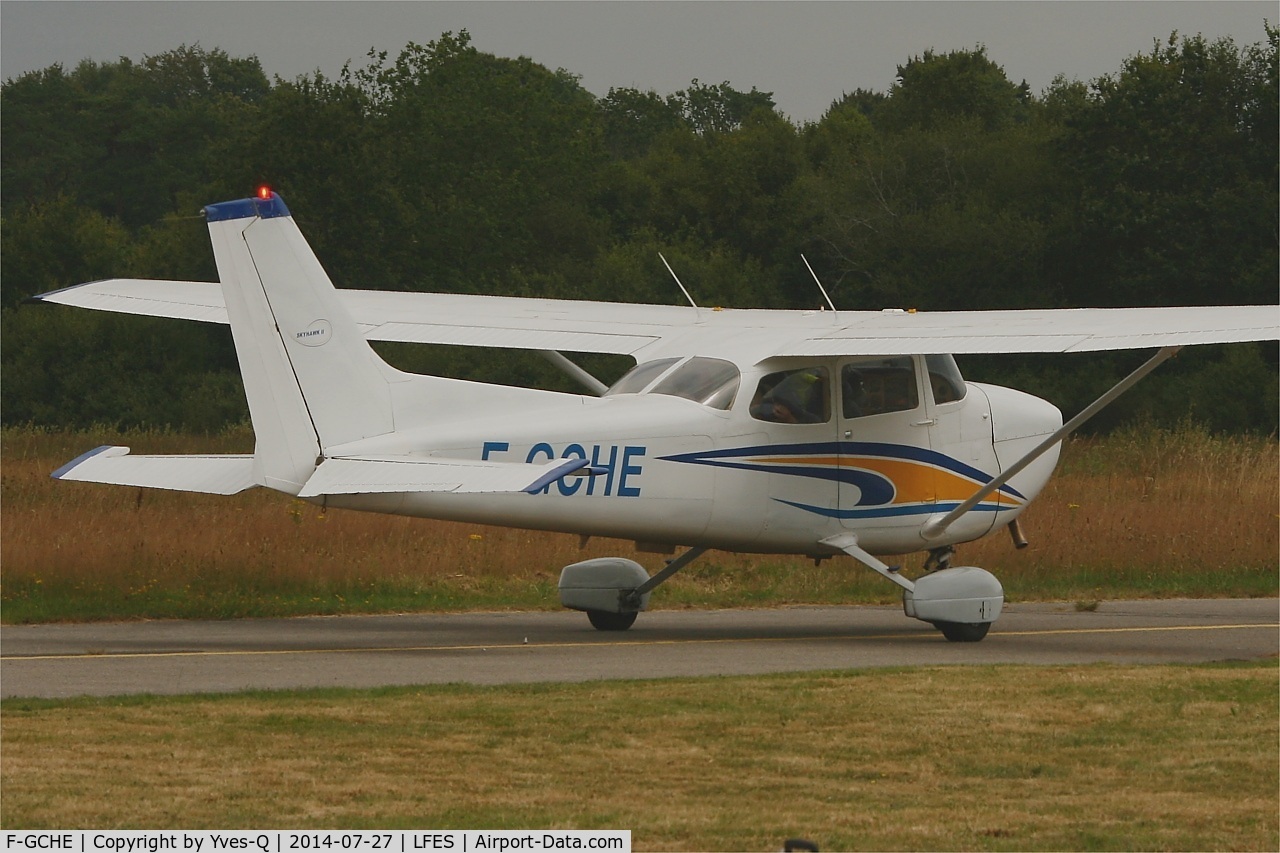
710	381
793	397
874	386
945	380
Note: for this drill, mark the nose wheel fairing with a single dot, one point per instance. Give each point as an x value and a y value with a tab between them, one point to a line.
965	595
961	602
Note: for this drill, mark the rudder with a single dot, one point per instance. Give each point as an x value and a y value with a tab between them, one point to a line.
311	379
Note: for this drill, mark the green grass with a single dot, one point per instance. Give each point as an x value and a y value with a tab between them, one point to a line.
995	758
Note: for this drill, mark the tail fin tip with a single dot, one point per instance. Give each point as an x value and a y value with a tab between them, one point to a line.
270	207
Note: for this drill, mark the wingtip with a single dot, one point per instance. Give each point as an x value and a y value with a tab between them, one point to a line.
107	449
47	296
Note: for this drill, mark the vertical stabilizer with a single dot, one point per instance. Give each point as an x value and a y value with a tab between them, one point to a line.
310	377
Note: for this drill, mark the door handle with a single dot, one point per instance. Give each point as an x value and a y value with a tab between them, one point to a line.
929	422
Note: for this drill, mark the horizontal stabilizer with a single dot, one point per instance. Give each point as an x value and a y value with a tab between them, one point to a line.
215	475
365	475
179	300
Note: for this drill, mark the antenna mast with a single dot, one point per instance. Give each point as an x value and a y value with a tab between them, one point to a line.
816	281
682	289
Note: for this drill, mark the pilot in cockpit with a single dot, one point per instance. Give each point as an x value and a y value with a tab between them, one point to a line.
792	397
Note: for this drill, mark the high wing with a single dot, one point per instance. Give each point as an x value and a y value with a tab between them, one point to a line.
650	331
1043	330
435	318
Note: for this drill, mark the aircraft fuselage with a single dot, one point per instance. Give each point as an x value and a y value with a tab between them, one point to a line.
674	471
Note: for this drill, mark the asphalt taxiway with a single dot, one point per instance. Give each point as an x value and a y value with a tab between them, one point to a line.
166	657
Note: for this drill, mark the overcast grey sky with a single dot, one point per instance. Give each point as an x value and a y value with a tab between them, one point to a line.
806	53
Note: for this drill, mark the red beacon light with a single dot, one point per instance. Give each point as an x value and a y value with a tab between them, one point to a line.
264	192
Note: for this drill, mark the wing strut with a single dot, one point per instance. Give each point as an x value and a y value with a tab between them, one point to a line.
935	527
583	378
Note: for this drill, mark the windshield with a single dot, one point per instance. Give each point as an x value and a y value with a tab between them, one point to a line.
638	378
710	381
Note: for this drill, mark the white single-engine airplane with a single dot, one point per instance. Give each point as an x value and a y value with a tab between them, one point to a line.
798	432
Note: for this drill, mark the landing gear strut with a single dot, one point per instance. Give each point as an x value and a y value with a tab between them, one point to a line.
939	559
960	602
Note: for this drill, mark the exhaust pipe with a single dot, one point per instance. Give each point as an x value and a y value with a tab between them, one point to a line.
1015	532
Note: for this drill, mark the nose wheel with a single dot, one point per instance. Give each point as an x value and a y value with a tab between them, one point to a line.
963	632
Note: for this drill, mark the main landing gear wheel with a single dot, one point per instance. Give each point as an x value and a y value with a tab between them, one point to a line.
603	620
962	632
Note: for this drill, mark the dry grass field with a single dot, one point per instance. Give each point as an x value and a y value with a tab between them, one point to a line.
1141	513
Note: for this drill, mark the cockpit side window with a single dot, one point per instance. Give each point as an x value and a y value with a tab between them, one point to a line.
945	380
874	386
710	381
638	378
793	397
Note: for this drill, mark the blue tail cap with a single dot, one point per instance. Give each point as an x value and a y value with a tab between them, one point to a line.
247	208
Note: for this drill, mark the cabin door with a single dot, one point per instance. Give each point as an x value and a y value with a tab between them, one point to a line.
887	481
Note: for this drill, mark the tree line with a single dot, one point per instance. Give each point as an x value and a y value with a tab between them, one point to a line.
446	168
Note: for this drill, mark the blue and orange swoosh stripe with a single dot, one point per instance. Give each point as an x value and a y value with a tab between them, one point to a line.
892	479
